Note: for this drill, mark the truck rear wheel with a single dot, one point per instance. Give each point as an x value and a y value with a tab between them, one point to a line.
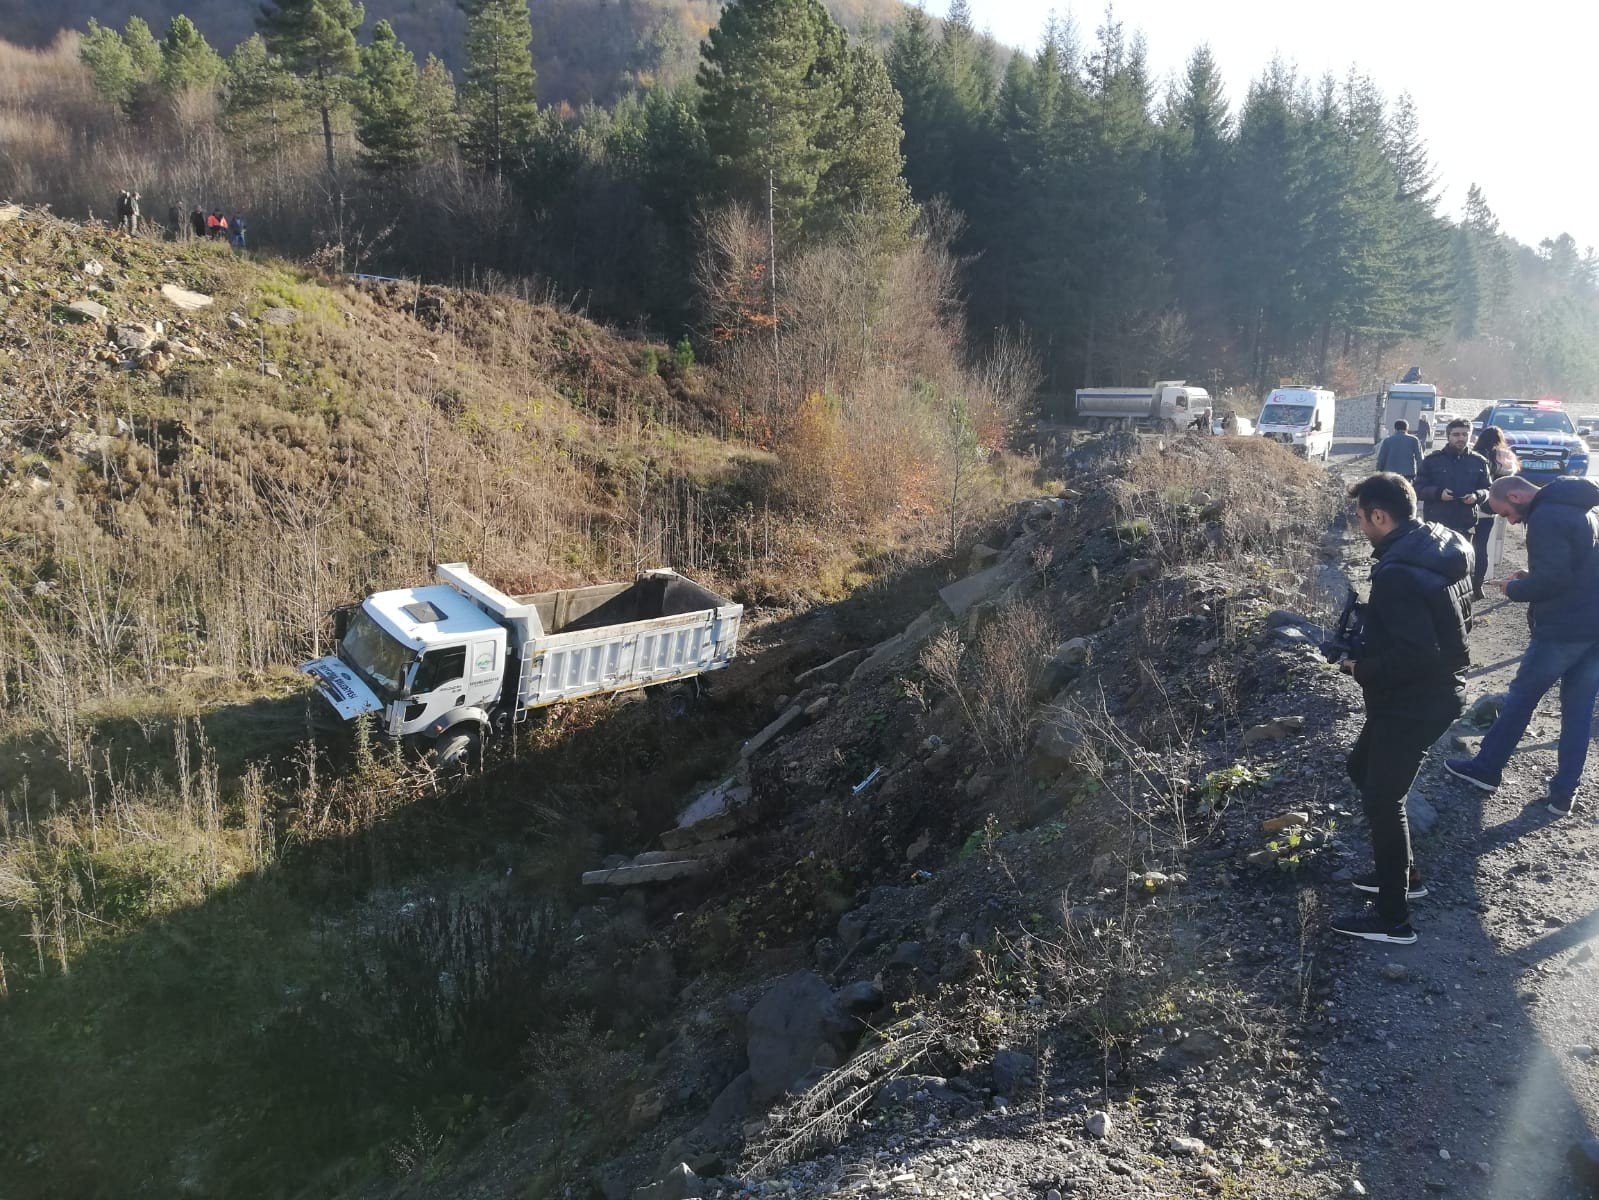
459	751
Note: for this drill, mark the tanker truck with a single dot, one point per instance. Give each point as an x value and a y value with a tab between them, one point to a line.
1169	406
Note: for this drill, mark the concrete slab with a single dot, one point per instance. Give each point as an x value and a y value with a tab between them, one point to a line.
631	876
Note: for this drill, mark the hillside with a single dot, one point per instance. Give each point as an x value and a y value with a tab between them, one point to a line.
201	453
583	49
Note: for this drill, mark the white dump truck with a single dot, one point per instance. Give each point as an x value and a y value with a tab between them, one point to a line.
1169	406
442	667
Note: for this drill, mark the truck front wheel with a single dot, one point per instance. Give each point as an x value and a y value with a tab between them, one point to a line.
459	751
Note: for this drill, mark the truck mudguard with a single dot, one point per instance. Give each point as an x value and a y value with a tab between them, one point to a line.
458	716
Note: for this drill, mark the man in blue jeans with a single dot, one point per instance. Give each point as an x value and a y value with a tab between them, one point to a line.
1561	590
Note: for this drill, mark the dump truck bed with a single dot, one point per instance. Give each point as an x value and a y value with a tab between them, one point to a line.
616	637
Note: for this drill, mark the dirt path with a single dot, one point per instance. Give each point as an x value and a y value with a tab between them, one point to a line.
1464	1060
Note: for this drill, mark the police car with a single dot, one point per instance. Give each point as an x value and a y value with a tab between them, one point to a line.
1542	435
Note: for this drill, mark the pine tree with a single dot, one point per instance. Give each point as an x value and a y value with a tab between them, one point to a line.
1494	266
766	95
316	40
499	103
913	65
1423	244
143	50
103	51
864	177
389	118
261	100
188	63
436	107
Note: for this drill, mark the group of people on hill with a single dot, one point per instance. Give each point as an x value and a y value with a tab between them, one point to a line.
1412	648
200	224
217	226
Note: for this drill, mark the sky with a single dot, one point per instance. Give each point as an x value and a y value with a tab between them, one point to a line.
1507	94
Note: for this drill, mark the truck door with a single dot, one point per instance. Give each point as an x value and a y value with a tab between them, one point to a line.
438	685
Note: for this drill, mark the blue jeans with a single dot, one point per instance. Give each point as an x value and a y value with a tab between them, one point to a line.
1575	666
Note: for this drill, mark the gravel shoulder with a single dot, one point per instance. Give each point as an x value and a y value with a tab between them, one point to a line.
1466	1060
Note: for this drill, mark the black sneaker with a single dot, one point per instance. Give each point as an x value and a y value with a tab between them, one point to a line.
1562	806
1373	928
1467	769
1368	883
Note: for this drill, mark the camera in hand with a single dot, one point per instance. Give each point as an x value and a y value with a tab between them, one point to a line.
1348	637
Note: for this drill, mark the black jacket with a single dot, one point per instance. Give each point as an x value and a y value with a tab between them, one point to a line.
1461	473
1414	656
1561	587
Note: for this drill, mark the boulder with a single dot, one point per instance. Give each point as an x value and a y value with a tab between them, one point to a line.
1013	1072
792	1036
1098	1124
1274	730
1422	815
1485	710
132	336
1290	820
237	321
983	557
88	310
9	213
184	298
1059	743
1280	618
94	268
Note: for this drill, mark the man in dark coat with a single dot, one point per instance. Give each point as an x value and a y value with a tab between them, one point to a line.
1560	588
1453	481
1410	665
1400	452
197	222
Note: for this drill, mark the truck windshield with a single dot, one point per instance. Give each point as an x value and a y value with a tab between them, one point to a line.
1287	414
373	652
1532	420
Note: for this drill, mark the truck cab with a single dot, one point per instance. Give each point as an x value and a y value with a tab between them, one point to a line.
1301	417
416	657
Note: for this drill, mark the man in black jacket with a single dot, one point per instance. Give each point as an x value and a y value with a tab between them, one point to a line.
1410	666
1453	481
1560	588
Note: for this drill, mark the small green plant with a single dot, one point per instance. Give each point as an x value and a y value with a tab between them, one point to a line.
651	362
683	355
1218	787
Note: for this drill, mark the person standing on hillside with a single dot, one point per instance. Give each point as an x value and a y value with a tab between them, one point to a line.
1453	481
1502	463
197	223
1560	588
1410	664
1400	452
124	209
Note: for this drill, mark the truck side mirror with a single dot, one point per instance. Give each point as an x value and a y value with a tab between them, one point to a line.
341	621
1316	428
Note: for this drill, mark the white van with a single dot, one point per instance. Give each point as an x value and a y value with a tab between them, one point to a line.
1301	417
